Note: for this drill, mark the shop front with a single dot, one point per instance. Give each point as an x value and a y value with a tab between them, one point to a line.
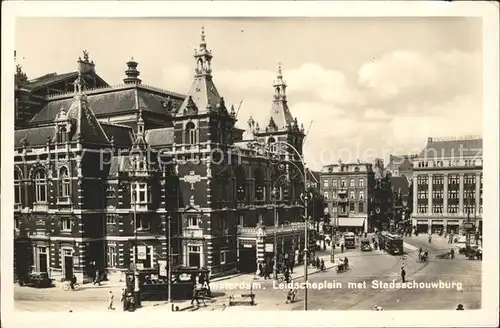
352	224
422	226
437	226
453	226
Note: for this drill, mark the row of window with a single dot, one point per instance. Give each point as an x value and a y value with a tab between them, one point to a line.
452	208
343	183
449	163
452	194
66	224
352	195
342	209
452	179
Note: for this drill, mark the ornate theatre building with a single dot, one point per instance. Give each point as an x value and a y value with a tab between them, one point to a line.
102	171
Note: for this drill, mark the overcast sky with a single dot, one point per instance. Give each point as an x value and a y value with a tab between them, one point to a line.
370	86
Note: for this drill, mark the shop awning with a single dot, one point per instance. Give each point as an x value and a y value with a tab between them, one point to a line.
351	222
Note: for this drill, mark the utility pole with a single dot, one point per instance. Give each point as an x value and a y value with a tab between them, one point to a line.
275	242
169	264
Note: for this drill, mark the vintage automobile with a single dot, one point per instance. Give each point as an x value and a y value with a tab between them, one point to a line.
37	280
366	246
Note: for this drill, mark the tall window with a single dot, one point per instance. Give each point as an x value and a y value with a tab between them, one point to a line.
342	183
325	194
40	184
142	223
361	207
17	187
352	195
334	183
112	257
191	133
422	209
351	183
361	195
422	194
422	180
64	181
140	193
334	194
437	208
325	183
453	179
361	182
452	208
352	207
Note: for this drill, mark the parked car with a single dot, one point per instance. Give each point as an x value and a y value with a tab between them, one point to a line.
37	280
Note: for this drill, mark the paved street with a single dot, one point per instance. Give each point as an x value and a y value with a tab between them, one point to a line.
364	267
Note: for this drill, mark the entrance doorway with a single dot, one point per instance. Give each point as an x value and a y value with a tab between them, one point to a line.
68	263
194	256
247	260
43	259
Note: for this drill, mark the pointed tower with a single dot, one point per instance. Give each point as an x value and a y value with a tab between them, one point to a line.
85	127
203	93
280	124
202	101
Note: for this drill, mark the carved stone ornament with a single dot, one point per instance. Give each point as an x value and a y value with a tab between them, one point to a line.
191	201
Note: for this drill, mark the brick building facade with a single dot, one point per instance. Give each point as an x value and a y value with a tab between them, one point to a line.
105	176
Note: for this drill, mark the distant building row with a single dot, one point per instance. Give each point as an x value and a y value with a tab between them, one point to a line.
442	187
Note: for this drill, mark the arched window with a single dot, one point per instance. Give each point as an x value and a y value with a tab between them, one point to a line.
40	185
260	186
65	182
241	192
191	136
17	186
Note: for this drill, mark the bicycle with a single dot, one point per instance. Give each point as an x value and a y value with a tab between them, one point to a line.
67	286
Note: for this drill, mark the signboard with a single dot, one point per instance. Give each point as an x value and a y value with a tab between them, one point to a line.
247	246
141	252
162	268
468	225
269	248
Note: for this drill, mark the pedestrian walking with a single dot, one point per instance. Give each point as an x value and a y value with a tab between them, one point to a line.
403	274
261	273
123	299
97	279
342	248
267	272
196	296
110	300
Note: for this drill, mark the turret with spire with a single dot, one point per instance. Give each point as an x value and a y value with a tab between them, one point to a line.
132	73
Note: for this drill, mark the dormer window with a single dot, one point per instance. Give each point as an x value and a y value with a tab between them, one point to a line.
191	135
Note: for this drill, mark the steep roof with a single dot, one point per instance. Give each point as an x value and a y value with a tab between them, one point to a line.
36	136
442	148
114	100
203	92
400	184
160	137
53	78
87	126
121	135
400	162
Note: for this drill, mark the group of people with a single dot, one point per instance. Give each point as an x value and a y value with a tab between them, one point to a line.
318	264
422	256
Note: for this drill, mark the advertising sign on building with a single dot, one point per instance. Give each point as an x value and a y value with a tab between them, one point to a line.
141	252
269	248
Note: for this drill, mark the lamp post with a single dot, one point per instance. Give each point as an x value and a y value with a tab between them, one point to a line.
304	196
137	295
169	264
275	241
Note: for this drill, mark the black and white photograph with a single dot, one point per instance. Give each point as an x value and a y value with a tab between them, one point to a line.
201	162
